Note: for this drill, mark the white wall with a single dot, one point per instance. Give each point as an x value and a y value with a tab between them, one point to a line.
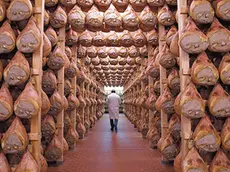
119	90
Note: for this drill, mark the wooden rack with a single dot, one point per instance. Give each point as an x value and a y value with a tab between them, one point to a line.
163	84
184	76
35	135
60	88
73	85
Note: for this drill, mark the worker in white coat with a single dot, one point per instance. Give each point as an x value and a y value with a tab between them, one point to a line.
114	102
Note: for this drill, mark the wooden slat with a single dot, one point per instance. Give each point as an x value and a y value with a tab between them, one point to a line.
150	56
37	66
60	88
184	64
73	90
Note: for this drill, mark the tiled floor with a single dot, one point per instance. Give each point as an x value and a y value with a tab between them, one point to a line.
104	151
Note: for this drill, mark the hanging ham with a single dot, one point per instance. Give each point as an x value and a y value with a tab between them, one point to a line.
47	47
49	82
218	37
201	11
56	104
123	52
139	38
28	103
168	148
174	47
15	139
56	59
48	128
192	40
85	39
222	9
126	39
94	19
76	19
120	5
219	102
99	39
224	69
85	4
17	71
220	162
52	36
156	3
54	150
81	130
112	18
28	41
193	161
6	103
68	52
2	11
205	136
27	163
203	71
51	3
130	19
65	145
152	37
71	71
7	38
68	3
58	19
191	103
112	39
45	103
71	137
19	10
103	4
225	135
148	19
167	59
81	52
174	81
73	102
67	122
71	38
165	16
171	33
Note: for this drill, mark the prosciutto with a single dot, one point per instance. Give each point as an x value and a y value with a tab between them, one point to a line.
7	38
28	41
27	104
17	71
19	10
6	103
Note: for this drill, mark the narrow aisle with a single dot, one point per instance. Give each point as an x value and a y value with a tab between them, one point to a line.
104	151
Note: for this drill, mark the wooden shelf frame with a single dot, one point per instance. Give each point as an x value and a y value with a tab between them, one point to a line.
186	129
37	80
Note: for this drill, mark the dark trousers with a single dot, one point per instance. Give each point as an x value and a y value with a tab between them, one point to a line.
113	124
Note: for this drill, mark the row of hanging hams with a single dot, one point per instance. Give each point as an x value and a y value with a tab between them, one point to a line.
121	6
112	52
205	100
112	38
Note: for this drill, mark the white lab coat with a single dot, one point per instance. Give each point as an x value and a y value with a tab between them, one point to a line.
114	102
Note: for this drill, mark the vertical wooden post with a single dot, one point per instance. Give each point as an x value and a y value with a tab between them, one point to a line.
35	135
150	56
73	89
82	87
60	88
163	84
184	76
